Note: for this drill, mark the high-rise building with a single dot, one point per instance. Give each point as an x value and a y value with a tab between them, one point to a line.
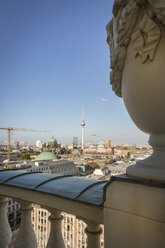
75	142
39	144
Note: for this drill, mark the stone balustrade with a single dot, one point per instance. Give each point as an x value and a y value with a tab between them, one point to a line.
81	197
131	209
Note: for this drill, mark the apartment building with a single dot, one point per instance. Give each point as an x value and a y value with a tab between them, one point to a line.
73	229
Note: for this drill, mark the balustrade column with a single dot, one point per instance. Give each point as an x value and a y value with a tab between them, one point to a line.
55	237
26	237
5	231
93	231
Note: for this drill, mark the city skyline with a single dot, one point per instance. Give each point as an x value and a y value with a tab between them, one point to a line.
50	68
31	138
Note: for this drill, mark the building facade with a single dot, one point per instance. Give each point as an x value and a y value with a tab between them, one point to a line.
73	229
62	167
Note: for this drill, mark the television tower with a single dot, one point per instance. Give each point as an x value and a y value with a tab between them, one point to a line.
83	125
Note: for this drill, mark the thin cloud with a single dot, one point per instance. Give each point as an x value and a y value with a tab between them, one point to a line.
104	99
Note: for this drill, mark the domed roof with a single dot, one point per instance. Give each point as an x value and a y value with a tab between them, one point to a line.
52	140
76	152
45	156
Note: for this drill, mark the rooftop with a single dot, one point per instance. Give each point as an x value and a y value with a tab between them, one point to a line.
46	156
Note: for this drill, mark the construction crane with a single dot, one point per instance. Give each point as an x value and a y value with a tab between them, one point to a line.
109	146
109	143
9	129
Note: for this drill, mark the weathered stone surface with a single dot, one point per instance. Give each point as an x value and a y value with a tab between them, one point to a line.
140	22
136	37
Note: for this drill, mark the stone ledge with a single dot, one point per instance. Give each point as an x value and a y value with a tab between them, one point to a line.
128	179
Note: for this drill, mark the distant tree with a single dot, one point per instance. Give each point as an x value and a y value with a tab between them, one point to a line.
34	152
58	156
25	156
63	150
10	168
128	154
37	152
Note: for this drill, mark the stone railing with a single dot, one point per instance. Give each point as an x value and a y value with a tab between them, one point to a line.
78	196
132	211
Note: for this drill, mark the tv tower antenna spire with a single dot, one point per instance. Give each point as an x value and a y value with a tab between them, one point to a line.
82	125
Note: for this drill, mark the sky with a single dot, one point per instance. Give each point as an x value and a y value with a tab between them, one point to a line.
54	62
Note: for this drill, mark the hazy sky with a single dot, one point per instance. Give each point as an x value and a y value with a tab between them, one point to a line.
54	60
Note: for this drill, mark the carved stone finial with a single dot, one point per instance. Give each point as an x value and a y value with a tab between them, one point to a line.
137	21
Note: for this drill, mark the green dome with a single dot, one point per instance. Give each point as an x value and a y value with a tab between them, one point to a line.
46	156
76	152
52	140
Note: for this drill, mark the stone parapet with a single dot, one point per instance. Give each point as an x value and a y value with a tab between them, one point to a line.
134	214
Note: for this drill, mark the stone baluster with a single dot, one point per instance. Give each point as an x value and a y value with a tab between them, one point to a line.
55	237
26	237
5	231
93	232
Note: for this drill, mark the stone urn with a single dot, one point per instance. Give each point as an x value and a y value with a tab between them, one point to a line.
136	36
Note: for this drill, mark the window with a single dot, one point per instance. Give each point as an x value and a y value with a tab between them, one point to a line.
68	244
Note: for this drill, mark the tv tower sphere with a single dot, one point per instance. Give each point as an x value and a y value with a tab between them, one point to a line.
83	123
